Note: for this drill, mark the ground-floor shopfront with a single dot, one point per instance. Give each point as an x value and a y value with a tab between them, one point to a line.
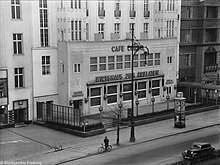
96	76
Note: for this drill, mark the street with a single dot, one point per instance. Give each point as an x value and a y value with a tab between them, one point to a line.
162	151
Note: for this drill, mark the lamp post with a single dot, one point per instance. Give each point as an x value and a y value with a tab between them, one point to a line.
195	92
153	100
84	123
207	96
134	47
216	97
137	102
120	105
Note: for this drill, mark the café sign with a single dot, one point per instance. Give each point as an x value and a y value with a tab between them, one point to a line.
126	76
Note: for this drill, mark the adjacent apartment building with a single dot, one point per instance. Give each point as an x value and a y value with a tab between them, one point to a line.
74	53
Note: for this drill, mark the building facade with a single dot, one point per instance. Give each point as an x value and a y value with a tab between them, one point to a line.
200	41
74	53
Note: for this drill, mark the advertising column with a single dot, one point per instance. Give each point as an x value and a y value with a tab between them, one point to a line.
179	111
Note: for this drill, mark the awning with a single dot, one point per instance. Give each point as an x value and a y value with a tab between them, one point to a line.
199	85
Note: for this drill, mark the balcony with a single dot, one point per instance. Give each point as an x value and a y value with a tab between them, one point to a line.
146	14
101	13
115	36
143	35
211	68
117	13
132	14
98	37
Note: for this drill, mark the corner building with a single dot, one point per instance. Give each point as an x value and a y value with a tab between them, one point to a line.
94	63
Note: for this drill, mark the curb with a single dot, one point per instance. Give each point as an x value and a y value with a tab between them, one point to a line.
145	141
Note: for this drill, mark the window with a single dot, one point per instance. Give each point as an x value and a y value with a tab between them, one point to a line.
157	59
168	6
142	89
145	5
76	30
189	11
135	60
159	6
102	63
169	90
3	88
45	65
76	68
15	9
150	59
146	28
127	92
112	94
131	26
131	5
111	62
127	61
119	62
169	59
117	28
95	96
172	29
76	4
93	64
188	60
19	77
17	43
87	31
117	4
101	5
158	33
43	23
142	60
155	87
101	29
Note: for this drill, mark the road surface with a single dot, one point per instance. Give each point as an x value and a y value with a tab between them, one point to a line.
162	151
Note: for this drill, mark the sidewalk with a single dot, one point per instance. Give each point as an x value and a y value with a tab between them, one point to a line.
83	147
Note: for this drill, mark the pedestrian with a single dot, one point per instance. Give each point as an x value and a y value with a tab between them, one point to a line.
106	141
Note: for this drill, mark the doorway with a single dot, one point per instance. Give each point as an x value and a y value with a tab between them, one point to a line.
20	111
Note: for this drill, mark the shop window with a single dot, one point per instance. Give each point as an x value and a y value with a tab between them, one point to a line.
93	64
150	59
127	61
157	59
142	60
127	92
119	62
112	94
142	89
155	87
135	61
95	96
111	62
102	63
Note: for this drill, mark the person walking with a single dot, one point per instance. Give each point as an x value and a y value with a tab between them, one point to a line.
106	141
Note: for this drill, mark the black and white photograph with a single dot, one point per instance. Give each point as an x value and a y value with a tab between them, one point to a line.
109	82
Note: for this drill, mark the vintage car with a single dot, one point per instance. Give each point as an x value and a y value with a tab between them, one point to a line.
198	150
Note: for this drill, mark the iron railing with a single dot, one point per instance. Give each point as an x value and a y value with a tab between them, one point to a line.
58	114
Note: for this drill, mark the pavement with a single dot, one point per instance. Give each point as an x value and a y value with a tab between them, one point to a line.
74	147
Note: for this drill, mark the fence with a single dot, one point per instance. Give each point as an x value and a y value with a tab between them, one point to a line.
58	114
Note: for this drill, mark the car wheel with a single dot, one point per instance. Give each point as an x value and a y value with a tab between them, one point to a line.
195	156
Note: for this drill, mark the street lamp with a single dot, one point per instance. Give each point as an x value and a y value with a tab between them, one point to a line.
153	100
134	47
84	123
167	97
137	102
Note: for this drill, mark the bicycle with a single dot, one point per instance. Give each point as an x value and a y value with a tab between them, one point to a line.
102	149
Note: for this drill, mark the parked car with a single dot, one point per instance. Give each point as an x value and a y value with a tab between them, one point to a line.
199	150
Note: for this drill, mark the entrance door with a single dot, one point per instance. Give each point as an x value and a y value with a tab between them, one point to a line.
19	115
77	104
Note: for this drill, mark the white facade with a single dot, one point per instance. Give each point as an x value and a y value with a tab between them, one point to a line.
42	24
